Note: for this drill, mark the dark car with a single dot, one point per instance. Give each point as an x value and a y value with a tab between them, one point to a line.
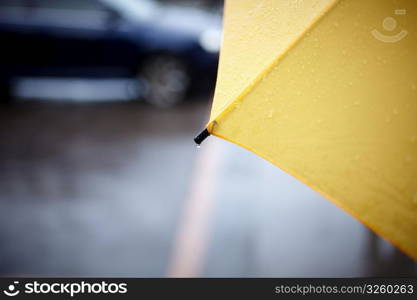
168	49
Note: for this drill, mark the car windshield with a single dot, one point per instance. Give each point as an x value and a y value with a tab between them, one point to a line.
133	9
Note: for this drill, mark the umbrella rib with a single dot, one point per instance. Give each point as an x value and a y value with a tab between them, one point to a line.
228	107
257	79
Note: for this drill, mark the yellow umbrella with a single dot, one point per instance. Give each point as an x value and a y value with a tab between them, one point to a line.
327	91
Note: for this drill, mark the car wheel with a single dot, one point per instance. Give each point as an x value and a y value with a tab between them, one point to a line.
165	81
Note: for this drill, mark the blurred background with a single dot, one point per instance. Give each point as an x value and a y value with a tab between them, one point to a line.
99	175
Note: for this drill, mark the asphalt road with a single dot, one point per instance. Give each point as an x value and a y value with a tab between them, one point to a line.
119	189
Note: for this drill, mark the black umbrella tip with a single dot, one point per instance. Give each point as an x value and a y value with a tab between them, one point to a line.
202	136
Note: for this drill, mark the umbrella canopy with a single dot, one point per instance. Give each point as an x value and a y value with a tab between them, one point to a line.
327	91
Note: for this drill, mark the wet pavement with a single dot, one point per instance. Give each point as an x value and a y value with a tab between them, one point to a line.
119	189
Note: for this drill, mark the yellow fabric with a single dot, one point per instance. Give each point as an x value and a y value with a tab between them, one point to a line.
337	109
257	32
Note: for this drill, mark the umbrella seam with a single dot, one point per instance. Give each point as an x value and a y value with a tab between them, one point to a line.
229	107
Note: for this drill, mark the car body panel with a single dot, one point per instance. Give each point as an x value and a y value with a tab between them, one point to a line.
102	43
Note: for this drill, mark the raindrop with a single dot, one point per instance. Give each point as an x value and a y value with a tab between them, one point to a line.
198	146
